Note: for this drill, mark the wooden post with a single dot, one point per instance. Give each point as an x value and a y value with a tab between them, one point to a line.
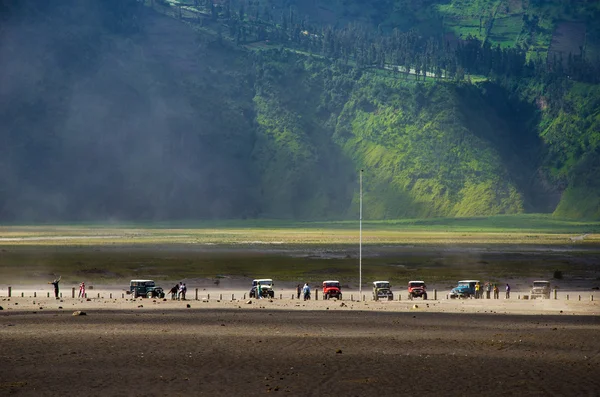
22	294
98	295
567	296
220	297
363	298
555	293
48	294
60	295
351	298
110	295
208	297
122	295
73	292
591	298
579	297
196	293
232	297
435	294
85	295
244	296
34	294
9	291
280	297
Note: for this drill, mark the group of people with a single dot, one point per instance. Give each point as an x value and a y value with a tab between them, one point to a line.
304	291
178	291
488	288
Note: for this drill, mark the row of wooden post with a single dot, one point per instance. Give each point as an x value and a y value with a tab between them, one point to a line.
555	295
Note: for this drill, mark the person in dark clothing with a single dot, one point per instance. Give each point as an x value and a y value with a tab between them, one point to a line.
174	291
55	284
298	290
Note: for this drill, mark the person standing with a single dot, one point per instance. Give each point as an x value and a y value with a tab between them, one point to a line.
55	284
258	292
477	290
306	291
180	290
183	291
298	290
496	292
488	290
82	290
507	291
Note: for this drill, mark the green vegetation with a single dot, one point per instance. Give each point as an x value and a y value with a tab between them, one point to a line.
268	110
438	250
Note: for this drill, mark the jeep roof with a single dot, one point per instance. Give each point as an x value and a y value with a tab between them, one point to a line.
141	281
330	281
261	280
541	281
418	281
381	281
468	281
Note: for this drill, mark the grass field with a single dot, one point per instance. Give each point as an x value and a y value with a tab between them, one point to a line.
505	31
435	249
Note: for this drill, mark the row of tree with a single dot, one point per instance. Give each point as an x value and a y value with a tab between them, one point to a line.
409	52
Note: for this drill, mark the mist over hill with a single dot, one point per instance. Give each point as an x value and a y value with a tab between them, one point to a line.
128	110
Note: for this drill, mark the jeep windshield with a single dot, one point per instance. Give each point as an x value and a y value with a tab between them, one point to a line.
332	285
383	285
467	285
417	285
541	285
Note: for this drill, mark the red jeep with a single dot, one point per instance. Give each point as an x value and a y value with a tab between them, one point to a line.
332	289
417	289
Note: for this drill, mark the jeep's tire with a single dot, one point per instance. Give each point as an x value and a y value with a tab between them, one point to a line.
149	295
425	297
339	297
391	298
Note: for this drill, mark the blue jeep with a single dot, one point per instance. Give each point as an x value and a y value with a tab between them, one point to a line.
464	289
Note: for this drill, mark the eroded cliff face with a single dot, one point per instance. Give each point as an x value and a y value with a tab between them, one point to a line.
150	118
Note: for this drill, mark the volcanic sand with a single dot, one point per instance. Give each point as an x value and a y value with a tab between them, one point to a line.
290	347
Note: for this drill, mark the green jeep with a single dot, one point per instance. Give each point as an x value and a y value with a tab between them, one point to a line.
145	289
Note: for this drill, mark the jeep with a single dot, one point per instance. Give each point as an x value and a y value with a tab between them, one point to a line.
464	289
332	289
266	288
417	289
540	288
382	290
145	289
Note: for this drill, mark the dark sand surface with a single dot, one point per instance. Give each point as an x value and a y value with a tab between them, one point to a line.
246	351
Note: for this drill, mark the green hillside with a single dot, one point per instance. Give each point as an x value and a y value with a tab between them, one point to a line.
163	110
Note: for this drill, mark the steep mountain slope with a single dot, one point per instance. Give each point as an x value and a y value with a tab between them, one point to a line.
111	110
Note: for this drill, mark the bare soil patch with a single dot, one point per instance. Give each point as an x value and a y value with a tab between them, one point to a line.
252	351
567	39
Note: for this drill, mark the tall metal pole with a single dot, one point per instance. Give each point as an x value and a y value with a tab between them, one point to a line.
360	241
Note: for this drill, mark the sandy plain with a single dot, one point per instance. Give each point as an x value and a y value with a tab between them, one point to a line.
290	347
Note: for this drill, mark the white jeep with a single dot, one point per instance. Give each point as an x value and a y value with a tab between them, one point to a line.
540	288
266	288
